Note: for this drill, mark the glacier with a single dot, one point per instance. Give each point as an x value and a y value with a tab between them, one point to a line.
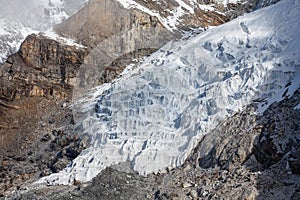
153	115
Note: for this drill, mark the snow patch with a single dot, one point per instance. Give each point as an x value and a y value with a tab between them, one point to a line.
170	22
128	4
12	33
68	41
206	7
225	2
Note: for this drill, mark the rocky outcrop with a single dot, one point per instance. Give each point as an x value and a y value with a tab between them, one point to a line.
280	133
42	67
57	62
230	144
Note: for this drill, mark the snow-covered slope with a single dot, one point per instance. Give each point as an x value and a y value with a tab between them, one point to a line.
169	22
154	115
12	33
19	19
172	13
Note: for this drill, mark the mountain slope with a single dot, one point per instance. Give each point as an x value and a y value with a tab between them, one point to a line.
175	15
37	81
154	115
18	20
230	162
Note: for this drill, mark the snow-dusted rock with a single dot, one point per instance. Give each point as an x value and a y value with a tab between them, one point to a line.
19	19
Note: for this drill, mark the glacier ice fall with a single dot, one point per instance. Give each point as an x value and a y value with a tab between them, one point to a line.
154	115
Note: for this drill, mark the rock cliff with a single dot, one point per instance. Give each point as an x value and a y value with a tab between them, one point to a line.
42	67
100	20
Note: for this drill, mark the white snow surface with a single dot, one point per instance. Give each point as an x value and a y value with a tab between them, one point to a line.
12	33
154	115
169	23
68	41
225	2
19	19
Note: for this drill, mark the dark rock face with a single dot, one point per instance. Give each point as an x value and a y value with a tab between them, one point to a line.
231	143
57	62
280	133
38	140
294	160
117	66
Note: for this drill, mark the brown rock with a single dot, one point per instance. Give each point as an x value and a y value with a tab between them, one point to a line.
101	20
55	61
42	67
